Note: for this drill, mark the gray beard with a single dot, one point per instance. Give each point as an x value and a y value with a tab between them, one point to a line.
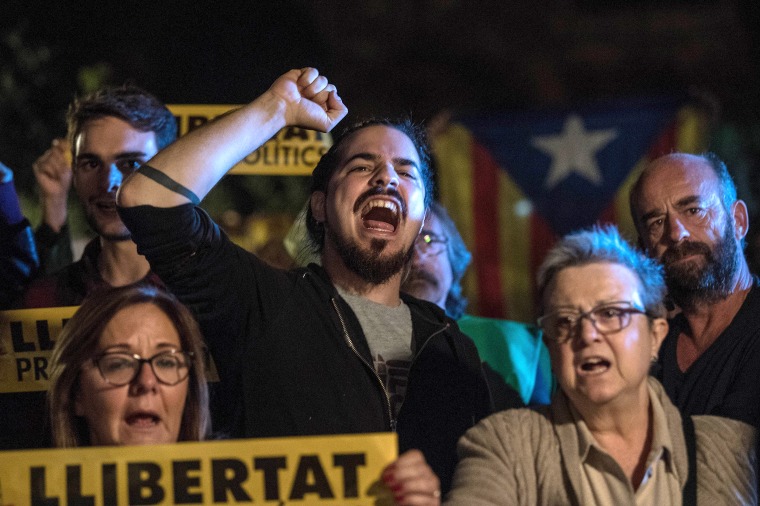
689	285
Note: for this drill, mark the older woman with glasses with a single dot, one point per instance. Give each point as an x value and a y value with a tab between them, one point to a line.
128	369
610	436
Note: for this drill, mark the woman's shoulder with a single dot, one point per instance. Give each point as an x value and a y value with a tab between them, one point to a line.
717	430
726	457
516	427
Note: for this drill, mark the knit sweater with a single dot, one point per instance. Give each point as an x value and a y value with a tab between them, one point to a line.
531	457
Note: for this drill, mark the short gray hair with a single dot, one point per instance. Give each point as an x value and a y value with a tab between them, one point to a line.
604	244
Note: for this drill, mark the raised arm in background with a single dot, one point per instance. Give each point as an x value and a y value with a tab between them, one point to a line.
53	173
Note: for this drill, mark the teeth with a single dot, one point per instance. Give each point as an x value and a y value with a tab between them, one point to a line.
381	203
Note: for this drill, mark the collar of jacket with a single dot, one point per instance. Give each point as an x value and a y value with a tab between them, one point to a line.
428	319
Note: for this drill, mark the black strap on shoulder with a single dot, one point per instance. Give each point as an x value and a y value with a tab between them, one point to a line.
690	489
168	183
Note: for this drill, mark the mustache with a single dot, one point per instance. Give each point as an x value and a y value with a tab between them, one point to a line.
679	251
378	190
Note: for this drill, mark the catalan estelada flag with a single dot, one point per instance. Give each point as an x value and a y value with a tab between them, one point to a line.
515	182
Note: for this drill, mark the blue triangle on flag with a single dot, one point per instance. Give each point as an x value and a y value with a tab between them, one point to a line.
571	163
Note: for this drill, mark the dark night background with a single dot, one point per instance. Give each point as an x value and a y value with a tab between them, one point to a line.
386	57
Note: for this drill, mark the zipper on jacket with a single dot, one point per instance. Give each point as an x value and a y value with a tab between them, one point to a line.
347	337
424	345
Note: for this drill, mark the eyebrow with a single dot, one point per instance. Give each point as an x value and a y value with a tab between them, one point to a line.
119	156
373	158
686	201
128	349
598	304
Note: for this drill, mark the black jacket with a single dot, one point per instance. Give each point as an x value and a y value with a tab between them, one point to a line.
291	354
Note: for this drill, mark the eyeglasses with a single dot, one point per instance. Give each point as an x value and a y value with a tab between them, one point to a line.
606	318
430	244
169	367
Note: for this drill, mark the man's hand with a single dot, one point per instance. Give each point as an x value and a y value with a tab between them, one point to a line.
412	481
53	173
310	101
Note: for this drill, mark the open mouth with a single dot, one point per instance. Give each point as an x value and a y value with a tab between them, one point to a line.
594	365
142	420
380	214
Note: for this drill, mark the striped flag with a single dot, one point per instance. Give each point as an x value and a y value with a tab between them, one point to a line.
515	182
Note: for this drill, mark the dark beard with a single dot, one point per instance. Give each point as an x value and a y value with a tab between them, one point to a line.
368	265
690	285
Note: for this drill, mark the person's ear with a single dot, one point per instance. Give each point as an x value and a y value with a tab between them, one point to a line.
658	329
740	216
317	203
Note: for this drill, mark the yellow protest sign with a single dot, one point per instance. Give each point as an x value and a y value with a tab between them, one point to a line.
329	470
293	151
27	337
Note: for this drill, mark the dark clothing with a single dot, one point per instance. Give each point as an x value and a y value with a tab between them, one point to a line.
54	248
18	261
70	285
24	256
291	354
725	379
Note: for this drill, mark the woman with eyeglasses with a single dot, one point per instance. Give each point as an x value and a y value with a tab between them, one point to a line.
610	436
128	369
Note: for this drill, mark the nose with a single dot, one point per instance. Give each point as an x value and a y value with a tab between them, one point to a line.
145	381
385	176
676	230
111	178
586	330
418	255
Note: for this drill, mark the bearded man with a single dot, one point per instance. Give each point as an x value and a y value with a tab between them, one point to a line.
320	350
687	215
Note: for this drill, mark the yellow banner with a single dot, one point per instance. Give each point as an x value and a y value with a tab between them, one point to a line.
293	151
27	337
330	470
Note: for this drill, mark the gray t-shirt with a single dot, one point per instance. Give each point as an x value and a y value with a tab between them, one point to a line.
389	334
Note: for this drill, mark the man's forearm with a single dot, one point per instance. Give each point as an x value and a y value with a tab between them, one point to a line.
197	161
201	158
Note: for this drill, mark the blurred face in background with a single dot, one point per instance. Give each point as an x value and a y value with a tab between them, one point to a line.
430	276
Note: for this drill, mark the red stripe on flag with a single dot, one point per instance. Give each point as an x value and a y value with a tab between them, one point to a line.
609	214
542	238
485	190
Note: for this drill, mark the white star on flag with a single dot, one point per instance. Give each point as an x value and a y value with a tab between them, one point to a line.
573	150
